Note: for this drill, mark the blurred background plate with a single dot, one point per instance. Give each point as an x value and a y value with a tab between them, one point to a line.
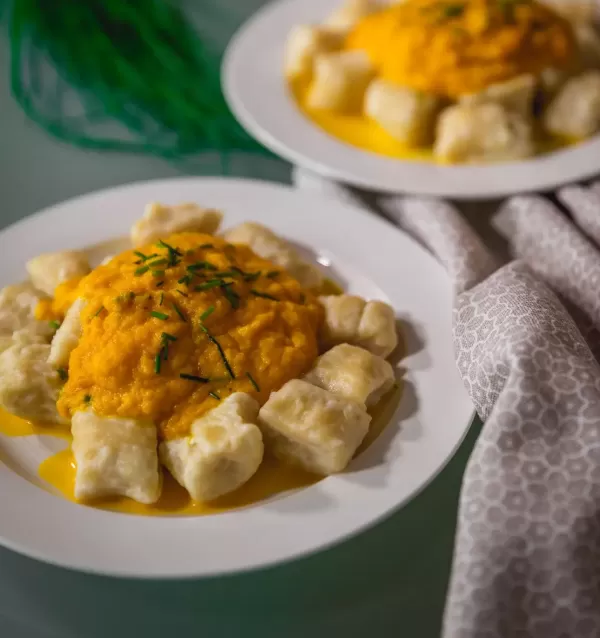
257	93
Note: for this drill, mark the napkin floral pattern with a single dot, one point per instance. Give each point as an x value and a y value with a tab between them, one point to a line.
528	538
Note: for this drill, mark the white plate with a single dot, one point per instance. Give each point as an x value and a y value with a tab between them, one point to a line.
258	95
372	259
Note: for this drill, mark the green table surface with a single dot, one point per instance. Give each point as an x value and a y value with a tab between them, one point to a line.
388	581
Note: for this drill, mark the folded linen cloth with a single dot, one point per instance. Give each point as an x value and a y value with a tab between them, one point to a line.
528	538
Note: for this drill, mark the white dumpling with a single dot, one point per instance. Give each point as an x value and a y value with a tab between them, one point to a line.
340	81
368	324
29	386
49	270
350	12
266	244
67	336
514	95
223	451
160	220
551	80
575	111
482	133
352	373
304	43
313	428
17	313
115	457
404	114
377	331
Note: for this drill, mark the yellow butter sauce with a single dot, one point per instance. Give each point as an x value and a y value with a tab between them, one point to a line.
272	478
11	425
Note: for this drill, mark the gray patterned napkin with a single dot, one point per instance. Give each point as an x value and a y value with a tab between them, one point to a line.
526	562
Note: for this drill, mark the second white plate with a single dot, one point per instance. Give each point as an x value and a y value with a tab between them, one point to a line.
257	93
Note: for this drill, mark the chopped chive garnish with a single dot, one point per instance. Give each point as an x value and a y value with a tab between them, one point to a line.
183	294
252	276
158	273
207	313
54	324
178	311
273	274
141	270
161	298
87	398
232	297
160	283
226	273
212	283
99	311
62	373
140	255
157	262
252	381
207	246
163	244
214	395
220	349
264	295
193	377
202	265
186	279
165	336
159	315
158	362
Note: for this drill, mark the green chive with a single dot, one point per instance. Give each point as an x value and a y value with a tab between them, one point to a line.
54	324
178	311
62	373
161	299
141	270
165	336
264	295
454	10
252	276
226	273
186	279
193	377
273	274
223	357
159	315
183	294
99	311
87	398
157	262
214	395
207	313
206	246
163	244
159	284
140	255
212	283
157	362
252	381
158	273
232	297
202	265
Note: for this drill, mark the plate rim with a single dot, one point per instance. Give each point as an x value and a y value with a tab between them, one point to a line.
306	145
264	564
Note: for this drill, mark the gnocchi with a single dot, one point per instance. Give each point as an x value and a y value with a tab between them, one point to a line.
51	269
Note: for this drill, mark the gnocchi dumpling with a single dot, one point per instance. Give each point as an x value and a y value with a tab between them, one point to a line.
350	12
67	336
575	111
352	373
49	270
514	95
368	324
405	114
340	81
115	457
313	428
266	244
304	43
29	386
17	314
159	221
482	133
224	449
